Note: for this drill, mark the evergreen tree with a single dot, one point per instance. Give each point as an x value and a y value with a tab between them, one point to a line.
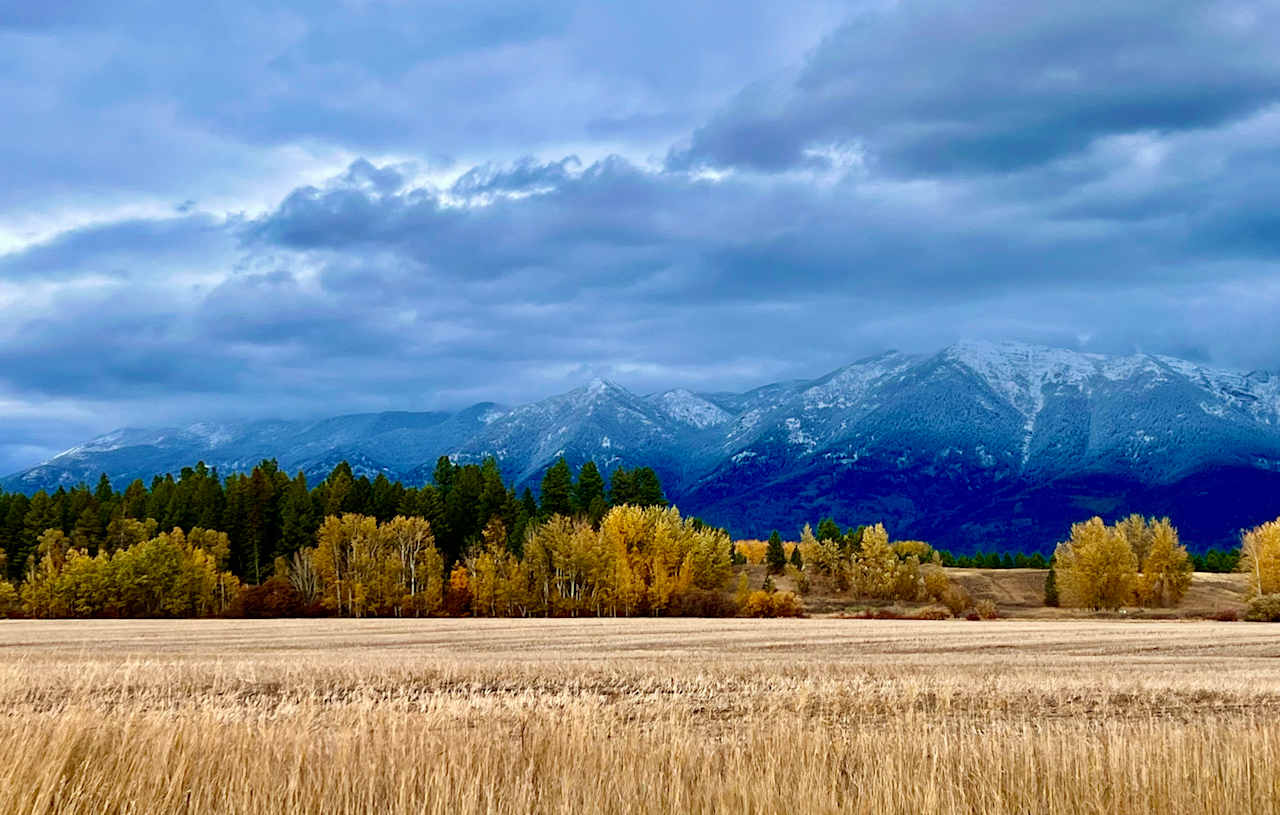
297	521
797	559
775	556
103	492
1051	587
12	526
384	497
589	492
621	488
529	504
557	490
443	475
647	488
339	487
829	530
134	502
41	514
853	538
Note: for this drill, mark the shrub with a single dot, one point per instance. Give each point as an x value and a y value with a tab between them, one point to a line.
1264	609
935	582
987	610
957	600
802	582
933	613
703	603
1225	615
778	604
276	597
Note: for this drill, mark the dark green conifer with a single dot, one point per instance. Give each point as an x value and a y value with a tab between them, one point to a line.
775	556
557	489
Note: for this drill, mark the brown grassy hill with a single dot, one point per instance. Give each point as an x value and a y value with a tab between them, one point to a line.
1020	592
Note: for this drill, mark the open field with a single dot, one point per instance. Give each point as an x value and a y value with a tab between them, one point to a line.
613	716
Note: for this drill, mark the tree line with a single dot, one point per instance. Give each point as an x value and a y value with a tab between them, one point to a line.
266	544
267	514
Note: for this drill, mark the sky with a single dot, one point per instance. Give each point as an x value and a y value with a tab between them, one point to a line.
228	210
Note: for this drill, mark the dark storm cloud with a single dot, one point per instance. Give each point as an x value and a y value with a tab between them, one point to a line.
996	85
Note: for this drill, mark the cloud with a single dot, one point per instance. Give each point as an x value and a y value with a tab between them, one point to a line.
486	218
932	88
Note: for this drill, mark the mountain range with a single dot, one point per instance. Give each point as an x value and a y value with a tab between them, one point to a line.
979	446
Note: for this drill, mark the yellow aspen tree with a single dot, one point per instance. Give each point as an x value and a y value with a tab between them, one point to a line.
1137	532
877	564
411	539
10	601
1166	568
1096	567
808	543
1260	558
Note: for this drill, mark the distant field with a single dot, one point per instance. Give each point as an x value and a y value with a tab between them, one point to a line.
639	716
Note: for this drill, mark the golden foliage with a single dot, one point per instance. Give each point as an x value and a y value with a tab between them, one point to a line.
10	602
1136	561
772	604
1166	568
1260	558
365	568
1096	568
170	575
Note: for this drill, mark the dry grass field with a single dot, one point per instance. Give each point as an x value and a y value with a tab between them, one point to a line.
639	716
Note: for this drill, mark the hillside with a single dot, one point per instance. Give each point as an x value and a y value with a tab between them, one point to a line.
1020	592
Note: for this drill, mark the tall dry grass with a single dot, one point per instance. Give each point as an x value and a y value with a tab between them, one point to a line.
639	717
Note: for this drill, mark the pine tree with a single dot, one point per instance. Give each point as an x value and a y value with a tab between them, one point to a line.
557	490
828	530
647	488
104	493
775	556
589	492
297	520
621	488
796	559
1051	587
443	476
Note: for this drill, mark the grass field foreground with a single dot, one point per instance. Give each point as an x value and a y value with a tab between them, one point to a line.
639	716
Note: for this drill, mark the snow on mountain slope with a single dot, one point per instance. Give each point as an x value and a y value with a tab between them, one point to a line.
691	409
